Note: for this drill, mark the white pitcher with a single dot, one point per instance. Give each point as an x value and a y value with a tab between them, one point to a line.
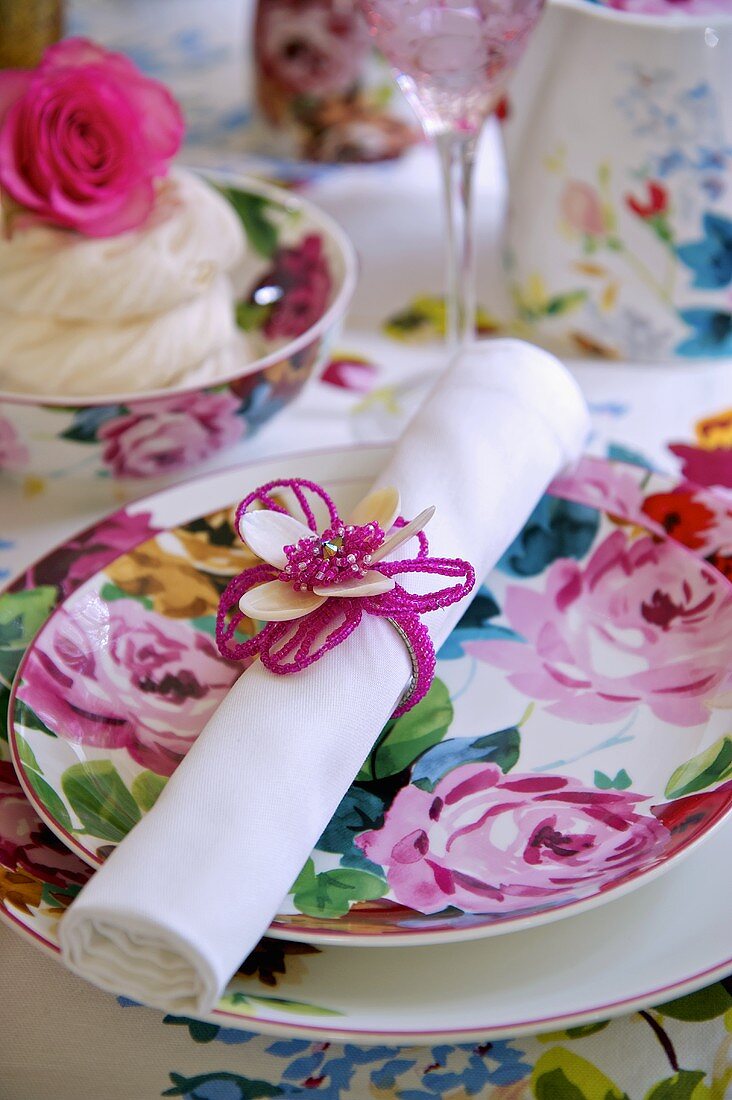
619	150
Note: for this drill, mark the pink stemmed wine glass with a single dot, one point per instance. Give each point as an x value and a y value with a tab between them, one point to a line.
452	59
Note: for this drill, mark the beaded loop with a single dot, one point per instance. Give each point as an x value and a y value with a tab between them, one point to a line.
322	569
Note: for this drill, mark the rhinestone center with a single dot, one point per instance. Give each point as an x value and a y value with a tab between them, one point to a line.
340	553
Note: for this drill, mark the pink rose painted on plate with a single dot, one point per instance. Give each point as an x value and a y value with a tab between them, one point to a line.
640	622
13	452
84	137
488	843
26	844
120	676
169	434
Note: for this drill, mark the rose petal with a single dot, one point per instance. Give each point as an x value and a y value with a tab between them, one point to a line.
277	602
266	533
403	534
382	506
372	583
13	84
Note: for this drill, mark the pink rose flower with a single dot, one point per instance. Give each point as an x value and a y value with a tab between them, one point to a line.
706	467
581	208
302	279
79	558
120	676
311	47
83	138
26	844
13	452
489	843
641	622
608	486
171	433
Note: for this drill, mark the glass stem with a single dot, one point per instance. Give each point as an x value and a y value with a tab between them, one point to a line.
457	160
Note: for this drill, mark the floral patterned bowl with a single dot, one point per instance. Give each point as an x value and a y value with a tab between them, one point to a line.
574	744
292	244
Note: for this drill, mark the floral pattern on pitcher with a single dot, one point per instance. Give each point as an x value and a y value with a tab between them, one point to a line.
641	257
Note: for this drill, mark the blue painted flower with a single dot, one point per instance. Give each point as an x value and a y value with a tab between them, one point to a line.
555	529
471	1068
713	335
711	257
475	624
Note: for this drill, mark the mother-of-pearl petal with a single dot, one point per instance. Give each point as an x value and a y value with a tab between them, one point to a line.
267	533
277	602
382	507
372	583
400	536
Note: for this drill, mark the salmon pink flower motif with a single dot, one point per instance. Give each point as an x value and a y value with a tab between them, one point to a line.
325	579
581	209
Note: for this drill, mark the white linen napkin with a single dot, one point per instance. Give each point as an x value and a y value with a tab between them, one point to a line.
183	899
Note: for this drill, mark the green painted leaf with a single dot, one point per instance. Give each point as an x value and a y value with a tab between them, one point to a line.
681	1086
22	614
100	799
206	624
705	1004
580	1032
560	1074
146	787
261	232
564	303
555	1084
709	767
331	893
26	754
111	592
404	739
50	799
26	716
251	316
621	782
45	792
299	1008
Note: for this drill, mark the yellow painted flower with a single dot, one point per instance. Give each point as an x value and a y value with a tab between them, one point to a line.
173	585
714	432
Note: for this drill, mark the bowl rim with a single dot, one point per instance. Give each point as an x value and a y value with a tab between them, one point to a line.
675	20
336	309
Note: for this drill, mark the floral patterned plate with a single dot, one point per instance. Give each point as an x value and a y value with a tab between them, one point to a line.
574	744
393	996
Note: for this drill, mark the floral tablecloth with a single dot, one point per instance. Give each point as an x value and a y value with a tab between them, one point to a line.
61	1039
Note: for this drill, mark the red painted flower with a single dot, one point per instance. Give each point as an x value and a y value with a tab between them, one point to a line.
300	283
655	204
685	518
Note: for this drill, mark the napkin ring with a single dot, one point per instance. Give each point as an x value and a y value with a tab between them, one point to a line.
314	581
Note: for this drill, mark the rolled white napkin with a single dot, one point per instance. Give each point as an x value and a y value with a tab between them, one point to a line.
192	236
47	356
180	903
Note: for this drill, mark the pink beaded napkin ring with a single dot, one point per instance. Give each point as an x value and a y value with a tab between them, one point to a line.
312	587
